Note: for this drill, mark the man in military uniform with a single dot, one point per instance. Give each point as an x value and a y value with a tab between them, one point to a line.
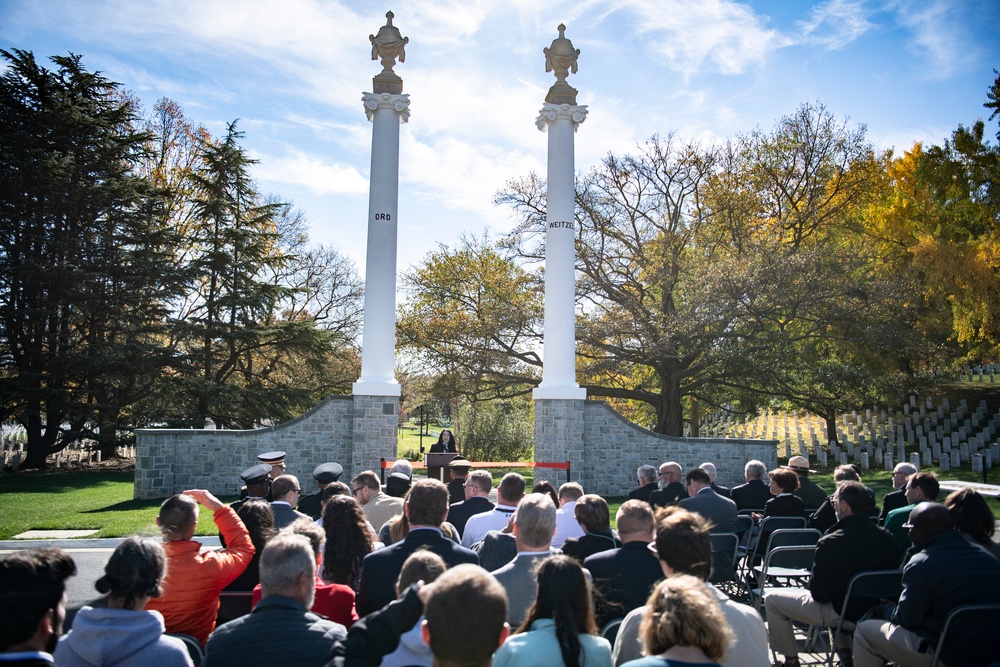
257	480
275	461
459	467
324	474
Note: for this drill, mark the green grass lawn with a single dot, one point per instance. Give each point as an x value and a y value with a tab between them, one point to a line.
102	500
80	500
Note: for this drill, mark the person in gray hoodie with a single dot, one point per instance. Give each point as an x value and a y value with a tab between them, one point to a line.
124	633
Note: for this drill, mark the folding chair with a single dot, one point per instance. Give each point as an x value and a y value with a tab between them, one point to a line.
791	563
724	546
992	608
872	586
610	630
782	537
233	604
193	646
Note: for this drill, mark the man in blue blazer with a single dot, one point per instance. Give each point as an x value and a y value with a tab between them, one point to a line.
753	494
426	510
477	500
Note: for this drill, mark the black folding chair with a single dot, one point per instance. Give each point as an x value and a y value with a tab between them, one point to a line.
785	565
991	608
724	546
867	588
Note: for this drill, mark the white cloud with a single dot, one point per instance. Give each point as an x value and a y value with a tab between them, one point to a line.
937	36
836	23
310	172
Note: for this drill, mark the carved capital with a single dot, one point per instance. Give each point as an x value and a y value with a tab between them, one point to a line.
398	103
553	112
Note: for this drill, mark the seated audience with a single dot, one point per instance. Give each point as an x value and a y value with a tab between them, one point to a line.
348	541
559	628
823	518
684	626
413	650
548	489
920	487
285	490
464	622
32	605
784	502
190	600
121	632
566	524
534	525
811	493
646	478
718	510
670	489
946	572
713	474
400	478
973	518
397	528
280	630
623	577
334	602
378	507
853	545
425	508
509	494
683	547
477	500
595	518
896	498
755	493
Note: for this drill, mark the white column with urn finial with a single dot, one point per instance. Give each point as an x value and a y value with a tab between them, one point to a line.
387	108
560	116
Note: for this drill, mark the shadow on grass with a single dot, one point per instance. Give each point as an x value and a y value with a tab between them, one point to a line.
69	480
126	506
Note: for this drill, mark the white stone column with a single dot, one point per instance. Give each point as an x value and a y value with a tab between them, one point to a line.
559	343
386	112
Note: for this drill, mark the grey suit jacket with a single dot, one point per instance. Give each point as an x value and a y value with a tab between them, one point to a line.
284	515
717	509
518	578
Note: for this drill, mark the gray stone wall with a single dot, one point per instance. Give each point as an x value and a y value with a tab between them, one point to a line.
355	431
605	449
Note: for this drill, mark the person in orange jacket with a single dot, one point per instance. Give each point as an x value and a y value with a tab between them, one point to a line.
190	599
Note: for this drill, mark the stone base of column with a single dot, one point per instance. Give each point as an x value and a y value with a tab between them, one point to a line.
559	393
376	418
559	430
365	388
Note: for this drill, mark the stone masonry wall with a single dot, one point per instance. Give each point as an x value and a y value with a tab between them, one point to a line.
605	449
171	460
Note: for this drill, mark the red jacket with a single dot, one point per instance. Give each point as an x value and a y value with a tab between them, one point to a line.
334	601
190	599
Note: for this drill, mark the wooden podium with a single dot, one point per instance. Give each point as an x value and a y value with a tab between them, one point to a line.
437	465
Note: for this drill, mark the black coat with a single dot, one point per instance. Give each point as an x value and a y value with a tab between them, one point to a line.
624	578
673	494
588	545
459	513
642	493
312	504
751	496
380	569
892	501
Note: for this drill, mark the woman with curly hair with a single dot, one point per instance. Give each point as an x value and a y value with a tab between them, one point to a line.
348	541
684	625
124	633
560	628
257	516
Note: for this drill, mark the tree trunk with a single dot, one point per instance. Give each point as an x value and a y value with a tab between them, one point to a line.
831	427
670	414
695	420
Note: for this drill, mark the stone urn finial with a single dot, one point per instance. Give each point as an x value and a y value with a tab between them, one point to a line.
561	58
387	46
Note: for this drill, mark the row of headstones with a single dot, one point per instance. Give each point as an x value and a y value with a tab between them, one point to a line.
78	453
919	425
982	373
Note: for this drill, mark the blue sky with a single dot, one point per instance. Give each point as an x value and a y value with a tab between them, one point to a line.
293	72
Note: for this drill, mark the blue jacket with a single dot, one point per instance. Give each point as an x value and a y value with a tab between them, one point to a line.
949	572
539	648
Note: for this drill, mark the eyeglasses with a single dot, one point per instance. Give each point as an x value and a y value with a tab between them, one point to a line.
354	492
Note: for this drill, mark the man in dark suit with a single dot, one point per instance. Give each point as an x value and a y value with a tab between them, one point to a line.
718	510
710	468
325	474
647	483
671	489
753	494
896	499
624	576
459	468
286	492
426	510
477	491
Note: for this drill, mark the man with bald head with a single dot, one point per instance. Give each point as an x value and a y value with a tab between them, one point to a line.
948	571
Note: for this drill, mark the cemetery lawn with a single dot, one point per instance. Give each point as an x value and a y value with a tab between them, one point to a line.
102	500
80	500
